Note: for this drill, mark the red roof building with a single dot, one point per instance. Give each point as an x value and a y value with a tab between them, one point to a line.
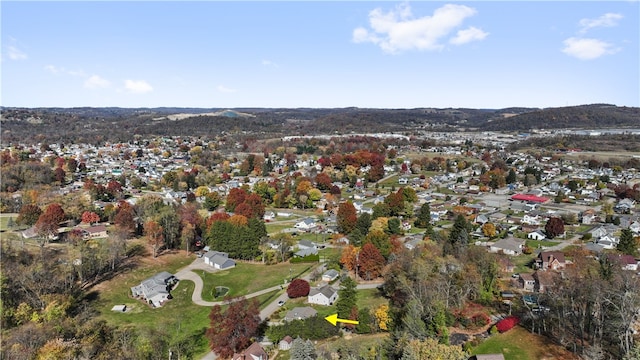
530	198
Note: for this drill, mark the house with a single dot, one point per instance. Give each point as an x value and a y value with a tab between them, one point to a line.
330	275
543	281
155	290
219	260
94	232
300	313
536	235
550	260
527	282
531	219
635	227
508	246
627	262
324	295
255	351
413	242
306	224
285	343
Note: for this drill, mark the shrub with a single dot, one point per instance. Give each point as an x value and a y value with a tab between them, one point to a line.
298	288
493	330
507	323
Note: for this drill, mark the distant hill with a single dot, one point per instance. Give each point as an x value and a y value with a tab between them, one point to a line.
88	124
585	116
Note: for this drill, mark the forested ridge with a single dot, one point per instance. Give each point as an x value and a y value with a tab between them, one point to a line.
94	125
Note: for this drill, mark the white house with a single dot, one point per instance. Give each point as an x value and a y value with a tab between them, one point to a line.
536	235
219	260
155	290
325	295
508	246
306	224
330	275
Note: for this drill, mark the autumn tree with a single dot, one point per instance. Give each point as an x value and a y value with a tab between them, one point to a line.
235	197
370	261
298	288
90	217
323	181
348	259
232	331
125	216
554	227
383	318
346	217
489	230
29	214
153	231
49	221
212	200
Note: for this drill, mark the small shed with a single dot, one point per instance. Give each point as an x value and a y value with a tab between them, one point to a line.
119	308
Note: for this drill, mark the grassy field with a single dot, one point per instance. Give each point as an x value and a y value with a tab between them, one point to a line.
370	298
519	344
540	243
247	278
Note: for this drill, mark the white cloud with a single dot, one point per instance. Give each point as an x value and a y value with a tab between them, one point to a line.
269	63
16	54
61	70
96	82
587	49
468	35
606	20
137	86
398	30
224	89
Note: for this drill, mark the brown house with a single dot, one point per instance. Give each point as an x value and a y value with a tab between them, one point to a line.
254	352
550	260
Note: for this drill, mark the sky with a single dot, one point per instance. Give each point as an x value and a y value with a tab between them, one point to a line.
321	54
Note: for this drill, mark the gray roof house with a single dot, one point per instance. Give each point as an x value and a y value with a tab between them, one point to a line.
155	290
325	295
219	260
330	275
509	246
300	313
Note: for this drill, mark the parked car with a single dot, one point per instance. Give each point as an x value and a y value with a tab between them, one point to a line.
281	302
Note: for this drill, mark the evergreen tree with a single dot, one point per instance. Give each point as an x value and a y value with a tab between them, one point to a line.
458	237
347	297
364	223
364	322
511	177
627	244
356	237
423	220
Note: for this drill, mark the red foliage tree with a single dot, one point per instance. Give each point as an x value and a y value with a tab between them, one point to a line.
217	216
29	214
125	216
90	217
155	237
346	217
554	227
236	197
232	331
507	323
395	201
298	288
59	175
370	261
323	182
49	221
251	207
189	215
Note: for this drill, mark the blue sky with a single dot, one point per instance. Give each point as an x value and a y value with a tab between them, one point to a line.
216	54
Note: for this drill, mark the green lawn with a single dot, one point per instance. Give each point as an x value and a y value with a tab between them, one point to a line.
247	278
370	298
535	244
519	344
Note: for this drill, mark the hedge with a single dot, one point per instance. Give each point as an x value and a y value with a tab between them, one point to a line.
507	323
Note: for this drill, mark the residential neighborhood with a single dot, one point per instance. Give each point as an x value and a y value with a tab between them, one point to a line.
328	218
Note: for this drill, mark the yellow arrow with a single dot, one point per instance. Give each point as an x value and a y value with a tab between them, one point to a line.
333	319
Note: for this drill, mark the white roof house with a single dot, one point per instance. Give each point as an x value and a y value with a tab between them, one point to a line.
219	260
325	295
